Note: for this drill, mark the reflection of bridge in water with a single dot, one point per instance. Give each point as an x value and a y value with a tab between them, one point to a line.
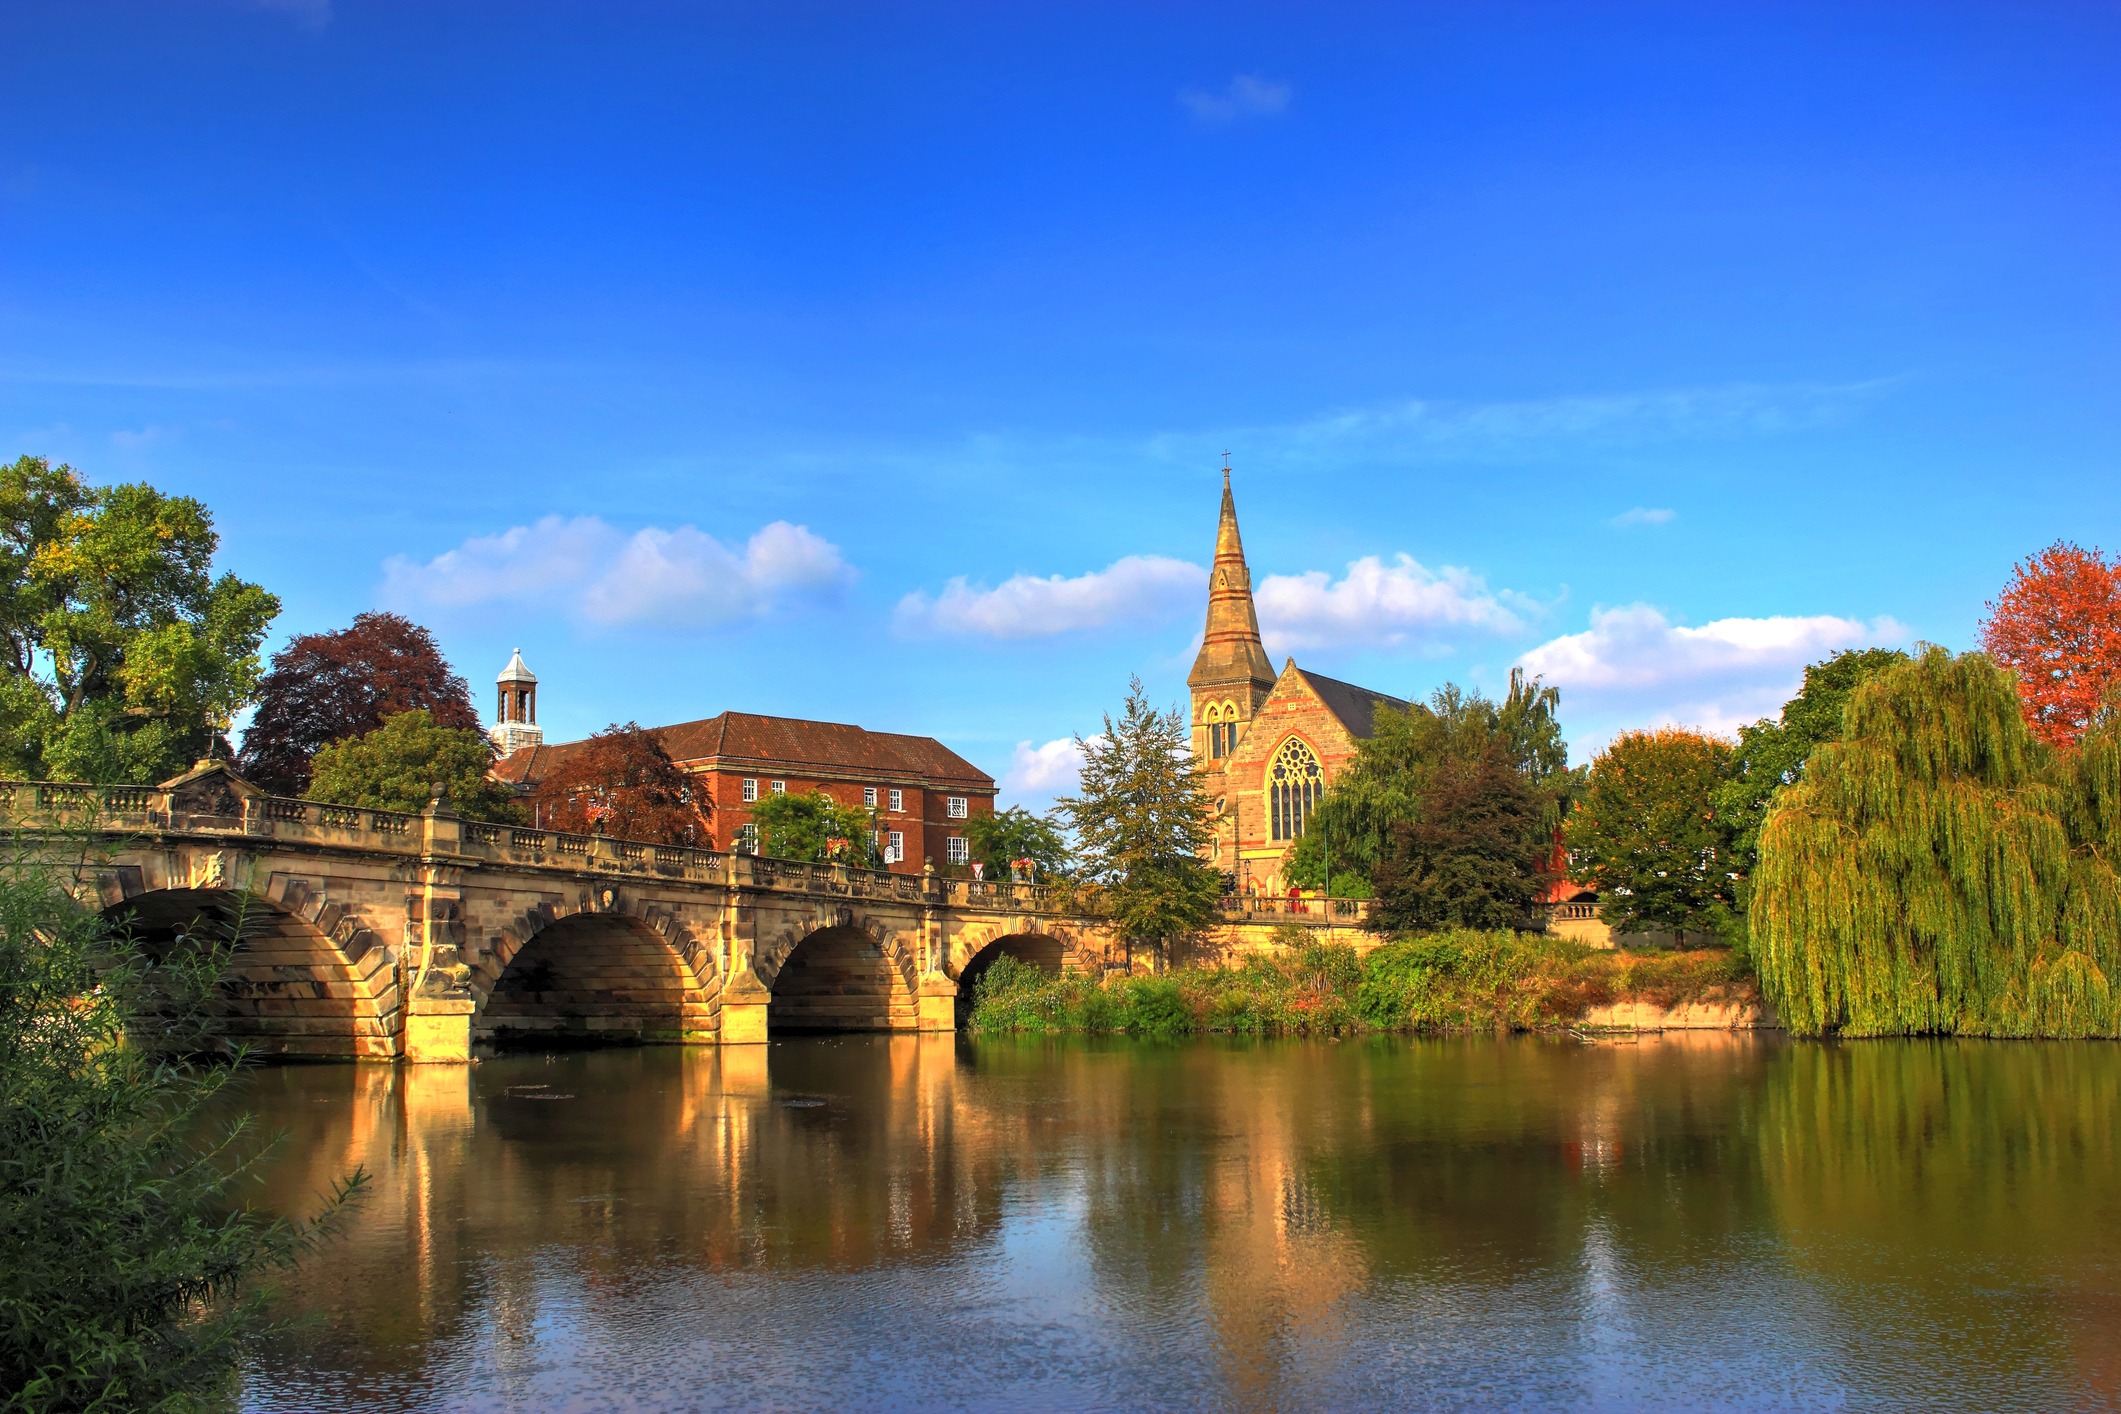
370	933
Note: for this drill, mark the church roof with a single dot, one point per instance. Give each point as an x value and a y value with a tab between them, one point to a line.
738	739
1354	707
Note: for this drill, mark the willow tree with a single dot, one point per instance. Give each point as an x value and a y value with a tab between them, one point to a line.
1941	870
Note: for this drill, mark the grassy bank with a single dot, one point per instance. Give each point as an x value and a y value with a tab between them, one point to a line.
1462	980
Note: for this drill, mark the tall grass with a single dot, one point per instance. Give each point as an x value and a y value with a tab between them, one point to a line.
1462	979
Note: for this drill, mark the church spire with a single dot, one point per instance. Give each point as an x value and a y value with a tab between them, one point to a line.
1230	652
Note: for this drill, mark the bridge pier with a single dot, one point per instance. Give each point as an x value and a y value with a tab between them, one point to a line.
438	1030
938	1002
745	1004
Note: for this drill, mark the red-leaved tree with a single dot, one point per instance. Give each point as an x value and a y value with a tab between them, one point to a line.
326	687
623	781
2057	625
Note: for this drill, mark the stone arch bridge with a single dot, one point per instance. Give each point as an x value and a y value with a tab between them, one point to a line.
372	934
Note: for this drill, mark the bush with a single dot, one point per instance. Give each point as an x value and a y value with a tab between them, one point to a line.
126	1259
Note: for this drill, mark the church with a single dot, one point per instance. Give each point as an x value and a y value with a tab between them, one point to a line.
1270	742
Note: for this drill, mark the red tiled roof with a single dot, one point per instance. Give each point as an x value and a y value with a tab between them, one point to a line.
738	738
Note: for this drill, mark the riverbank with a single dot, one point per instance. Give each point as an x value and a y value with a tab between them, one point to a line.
1455	981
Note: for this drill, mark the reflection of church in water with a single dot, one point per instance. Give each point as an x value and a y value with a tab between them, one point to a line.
1271	743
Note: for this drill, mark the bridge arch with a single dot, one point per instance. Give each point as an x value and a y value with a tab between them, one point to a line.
843	974
305	979
594	978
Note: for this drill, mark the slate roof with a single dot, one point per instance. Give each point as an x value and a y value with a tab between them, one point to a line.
1354	707
737	739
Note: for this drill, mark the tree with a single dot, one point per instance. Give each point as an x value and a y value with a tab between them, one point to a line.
1384	786
1000	839
128	1256
1472	856
623	782
1771	752
125	658
2058	627
402	764
326	687
1645	833
1141	821
1942	869
805	826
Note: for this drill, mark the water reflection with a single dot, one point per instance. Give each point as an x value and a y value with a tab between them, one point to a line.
861	1221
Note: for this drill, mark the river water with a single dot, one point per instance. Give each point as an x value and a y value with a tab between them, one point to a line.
1695	1221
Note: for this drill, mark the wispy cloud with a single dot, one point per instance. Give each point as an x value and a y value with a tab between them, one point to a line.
1634	666
679	579
1643	516
1376	605
1245	96
1139	588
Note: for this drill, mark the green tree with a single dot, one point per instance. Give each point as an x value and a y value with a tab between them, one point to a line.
1472	857
792	826
999	839
1646	836
1384	786
125	658
1141	821
1772	751
1940	869
128	1258
403	763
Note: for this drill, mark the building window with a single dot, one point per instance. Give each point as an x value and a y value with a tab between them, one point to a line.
1294	784
747	838
751	788
955	807
897	847
958	849
898	800
780	788
869	796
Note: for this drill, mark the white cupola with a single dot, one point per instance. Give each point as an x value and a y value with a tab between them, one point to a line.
516	723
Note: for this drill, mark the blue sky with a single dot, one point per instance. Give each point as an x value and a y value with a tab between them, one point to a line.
876	363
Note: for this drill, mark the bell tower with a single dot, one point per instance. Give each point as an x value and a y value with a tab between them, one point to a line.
516	720
1231	676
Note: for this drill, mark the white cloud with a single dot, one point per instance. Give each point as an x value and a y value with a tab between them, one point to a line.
1643	516
1245	96
1139	587
679	578
1376	605
1044	771
1634	667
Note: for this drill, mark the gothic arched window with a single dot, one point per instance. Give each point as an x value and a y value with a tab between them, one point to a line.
1295	781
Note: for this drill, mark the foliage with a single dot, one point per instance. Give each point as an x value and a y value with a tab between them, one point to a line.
124	657
999	839
1141	822
1473	856
1941	869
804	826
1771	752
623	782
402	764
127	1260
2057	626
326	687
1645	834
1388	782
1453	980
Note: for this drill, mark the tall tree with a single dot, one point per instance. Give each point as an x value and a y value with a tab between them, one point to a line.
2057	625
326	687
1141	820
402	764
623	782
1472	856
804	826
1645	833
999	840
1943	869
125	657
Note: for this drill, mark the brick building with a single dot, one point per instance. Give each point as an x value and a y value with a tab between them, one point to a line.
921	791
1271	741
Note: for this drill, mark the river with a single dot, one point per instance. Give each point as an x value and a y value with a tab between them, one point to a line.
1707	1220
